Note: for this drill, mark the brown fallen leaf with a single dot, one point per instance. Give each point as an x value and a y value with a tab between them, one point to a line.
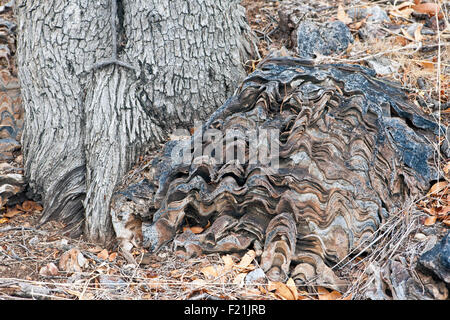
427	65
112	256
103	254
324	294
343	16
30	206
197	229
210	272
403	10
429	221
72	261
446	168
228	261
11	212
3	220
246	259
291	286
438	187
283	291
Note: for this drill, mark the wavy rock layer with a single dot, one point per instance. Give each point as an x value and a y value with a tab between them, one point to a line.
351	150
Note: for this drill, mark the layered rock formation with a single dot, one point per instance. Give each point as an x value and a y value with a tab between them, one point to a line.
348	151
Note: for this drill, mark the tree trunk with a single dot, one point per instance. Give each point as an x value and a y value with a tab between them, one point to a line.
88	120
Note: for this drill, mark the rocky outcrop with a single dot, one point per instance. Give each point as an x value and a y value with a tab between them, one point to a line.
349	150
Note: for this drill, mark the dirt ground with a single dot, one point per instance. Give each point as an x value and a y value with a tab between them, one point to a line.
38	262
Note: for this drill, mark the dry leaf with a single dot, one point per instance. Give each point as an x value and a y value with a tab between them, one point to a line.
444	211
427	65
72	261
357	25
228	261
430	221
343	16
210	272
283	291
447	222
112	256
103	254
3	220
11	212
447	166
246	259
197	229
29	206
349	297
438	187
403	5
324	294
291	285
403	11
250	294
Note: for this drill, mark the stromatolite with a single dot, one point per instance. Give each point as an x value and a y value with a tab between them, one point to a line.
350	150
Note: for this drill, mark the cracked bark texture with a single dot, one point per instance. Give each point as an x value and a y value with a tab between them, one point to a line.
84	128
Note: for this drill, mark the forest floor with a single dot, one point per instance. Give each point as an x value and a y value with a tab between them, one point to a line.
41	263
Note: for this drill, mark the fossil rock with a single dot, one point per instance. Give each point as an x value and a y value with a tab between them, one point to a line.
351	149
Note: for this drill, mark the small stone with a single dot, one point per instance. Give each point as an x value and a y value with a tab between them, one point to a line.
383	66
420	236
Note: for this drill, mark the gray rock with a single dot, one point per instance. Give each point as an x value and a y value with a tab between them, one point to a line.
383	66
437	260
327	39
256	276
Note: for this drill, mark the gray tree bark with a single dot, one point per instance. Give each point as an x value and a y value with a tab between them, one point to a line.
86	121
